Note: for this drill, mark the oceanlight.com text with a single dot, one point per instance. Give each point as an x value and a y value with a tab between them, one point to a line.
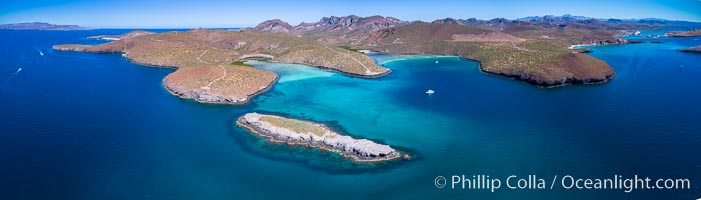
626	184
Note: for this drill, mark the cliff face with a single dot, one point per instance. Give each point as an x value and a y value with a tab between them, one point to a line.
316	135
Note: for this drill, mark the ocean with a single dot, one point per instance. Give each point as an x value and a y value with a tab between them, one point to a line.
95	126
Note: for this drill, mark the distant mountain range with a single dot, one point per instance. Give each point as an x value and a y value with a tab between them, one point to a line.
333	29
352	28
567	18
40	26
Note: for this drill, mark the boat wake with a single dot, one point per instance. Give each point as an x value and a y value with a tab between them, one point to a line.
13	75
40	52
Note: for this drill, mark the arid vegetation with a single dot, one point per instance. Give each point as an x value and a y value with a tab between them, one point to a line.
203	55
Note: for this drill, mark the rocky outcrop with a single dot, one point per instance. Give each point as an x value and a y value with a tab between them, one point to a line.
235	85
294	131
447	21
353	22
76	47
201	96
274	25
333	30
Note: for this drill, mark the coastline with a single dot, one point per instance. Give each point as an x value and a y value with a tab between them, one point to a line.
194	94
518	77
350	73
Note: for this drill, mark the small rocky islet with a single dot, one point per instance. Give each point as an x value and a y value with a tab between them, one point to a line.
298	132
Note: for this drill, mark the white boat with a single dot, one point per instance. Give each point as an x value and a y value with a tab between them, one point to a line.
430	92
436	62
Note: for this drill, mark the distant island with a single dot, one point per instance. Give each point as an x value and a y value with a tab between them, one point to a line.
298	132
691	33
41	26
211	63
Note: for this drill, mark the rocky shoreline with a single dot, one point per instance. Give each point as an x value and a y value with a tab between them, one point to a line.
530	80
349	73
548	84
297	132
203	97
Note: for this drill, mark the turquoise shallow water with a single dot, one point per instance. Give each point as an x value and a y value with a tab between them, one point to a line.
86	126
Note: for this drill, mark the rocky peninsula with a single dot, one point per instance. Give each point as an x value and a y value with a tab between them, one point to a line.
210	63
298	132
122	36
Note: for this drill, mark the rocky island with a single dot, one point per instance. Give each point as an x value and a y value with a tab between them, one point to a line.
41	26
297	132
210	62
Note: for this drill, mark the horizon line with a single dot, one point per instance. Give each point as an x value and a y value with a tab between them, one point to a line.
241	26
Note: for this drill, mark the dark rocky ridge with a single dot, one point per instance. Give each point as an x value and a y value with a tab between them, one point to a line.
275	26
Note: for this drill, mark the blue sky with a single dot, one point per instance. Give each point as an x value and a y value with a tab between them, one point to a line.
232	13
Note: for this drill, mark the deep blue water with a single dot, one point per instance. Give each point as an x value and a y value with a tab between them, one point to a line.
94	126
